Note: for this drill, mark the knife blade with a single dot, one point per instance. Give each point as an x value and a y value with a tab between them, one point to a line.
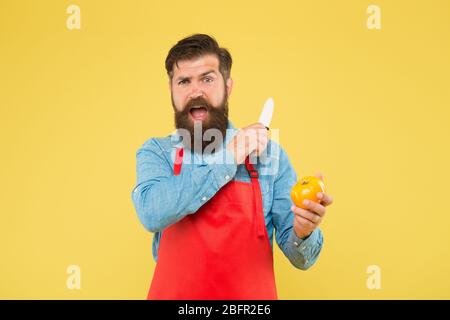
266	113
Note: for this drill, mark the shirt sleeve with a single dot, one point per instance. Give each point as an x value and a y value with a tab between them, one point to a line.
161	199
302	253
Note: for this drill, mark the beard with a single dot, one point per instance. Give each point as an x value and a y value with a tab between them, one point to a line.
216	118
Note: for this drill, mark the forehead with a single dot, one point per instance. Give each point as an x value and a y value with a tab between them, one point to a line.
196	66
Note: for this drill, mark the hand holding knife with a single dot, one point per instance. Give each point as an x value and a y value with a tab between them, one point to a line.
246	142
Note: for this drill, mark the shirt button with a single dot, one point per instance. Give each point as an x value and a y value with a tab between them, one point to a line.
307	261
204	199
227	177
303	248
296	243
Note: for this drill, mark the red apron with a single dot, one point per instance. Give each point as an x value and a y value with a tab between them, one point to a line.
220	252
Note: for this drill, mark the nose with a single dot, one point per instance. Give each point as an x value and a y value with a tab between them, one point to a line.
195	92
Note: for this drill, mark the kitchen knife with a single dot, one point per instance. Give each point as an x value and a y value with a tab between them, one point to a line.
266	114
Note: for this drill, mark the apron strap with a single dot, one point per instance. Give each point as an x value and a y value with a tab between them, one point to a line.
257	196
178	161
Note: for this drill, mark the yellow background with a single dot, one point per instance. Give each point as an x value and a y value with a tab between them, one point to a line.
368	108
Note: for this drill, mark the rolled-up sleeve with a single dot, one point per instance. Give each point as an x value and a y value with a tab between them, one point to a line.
302	253
161	199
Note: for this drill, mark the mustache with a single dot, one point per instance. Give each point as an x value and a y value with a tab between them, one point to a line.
196	102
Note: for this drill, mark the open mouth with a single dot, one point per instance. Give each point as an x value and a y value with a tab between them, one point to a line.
198	113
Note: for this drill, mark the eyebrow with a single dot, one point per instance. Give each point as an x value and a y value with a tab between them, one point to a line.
202	75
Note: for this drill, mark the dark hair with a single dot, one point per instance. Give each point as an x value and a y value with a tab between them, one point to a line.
195	46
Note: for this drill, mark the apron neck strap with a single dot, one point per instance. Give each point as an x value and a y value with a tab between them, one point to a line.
178	161
257	196
251	169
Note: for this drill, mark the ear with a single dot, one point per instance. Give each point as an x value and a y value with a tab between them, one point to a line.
229	86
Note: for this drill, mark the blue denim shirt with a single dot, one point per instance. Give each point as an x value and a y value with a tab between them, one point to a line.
161	199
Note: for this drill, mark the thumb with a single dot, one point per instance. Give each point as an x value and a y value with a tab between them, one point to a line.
319	175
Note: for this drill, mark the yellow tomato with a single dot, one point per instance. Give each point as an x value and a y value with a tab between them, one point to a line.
306	188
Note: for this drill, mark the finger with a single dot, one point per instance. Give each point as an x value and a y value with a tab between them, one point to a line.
297	210
311	216
314	207
261	134
262	146
258	125
251	144
319	175
305	223
262	140
324	198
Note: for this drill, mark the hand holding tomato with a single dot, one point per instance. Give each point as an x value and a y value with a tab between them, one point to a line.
310	201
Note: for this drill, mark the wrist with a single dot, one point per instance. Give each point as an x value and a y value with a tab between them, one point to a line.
301	234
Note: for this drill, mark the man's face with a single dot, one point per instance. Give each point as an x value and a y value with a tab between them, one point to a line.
200	95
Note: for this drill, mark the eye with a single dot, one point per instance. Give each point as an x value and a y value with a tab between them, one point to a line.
183	82
207	79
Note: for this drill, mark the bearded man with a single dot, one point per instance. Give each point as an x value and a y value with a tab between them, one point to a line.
214	217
